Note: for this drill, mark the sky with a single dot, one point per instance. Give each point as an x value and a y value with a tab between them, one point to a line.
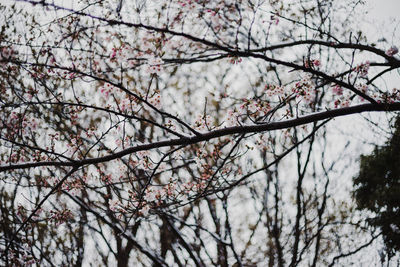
383	9
383	18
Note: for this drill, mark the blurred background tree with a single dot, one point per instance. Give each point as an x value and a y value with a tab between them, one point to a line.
377	189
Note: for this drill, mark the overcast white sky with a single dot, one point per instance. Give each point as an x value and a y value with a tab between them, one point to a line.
384	9
383	18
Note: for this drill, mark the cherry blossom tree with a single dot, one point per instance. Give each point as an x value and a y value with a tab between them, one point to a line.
181	132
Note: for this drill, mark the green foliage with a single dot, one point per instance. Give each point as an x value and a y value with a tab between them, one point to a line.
377	189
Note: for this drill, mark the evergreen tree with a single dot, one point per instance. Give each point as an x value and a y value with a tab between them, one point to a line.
377	189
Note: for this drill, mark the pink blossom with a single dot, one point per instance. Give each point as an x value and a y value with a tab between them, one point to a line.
272	90
190	4
316	62
106	89
125	104
312	63
392	51
235	60
363	69
156	101
52	60
274	20
203	123
337	90
231	118
155	65
114	53
113	204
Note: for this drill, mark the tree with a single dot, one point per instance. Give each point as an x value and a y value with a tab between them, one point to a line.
160	133
377	189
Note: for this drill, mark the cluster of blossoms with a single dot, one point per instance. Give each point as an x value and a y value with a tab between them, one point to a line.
10	124
125	104
17	124
256	107
193	187
362	69
341	100
189	4
143	160
337	90
106	89
362	88
262	142
206	172
234	60
312	63
392	51
115	205
60	217
201	158
155	65
152	45
152	198
23	257
231	118
273	90
36	73
170	125
215	18
5	54
261	107
121	54
122	142
305	90
75	184
114	52
73	145
39	156
17	156
390	97
106	177
203	123
155	196
30	92
155	101
205	162
274	20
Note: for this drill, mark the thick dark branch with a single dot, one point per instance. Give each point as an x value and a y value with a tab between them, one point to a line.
216	134
336	45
